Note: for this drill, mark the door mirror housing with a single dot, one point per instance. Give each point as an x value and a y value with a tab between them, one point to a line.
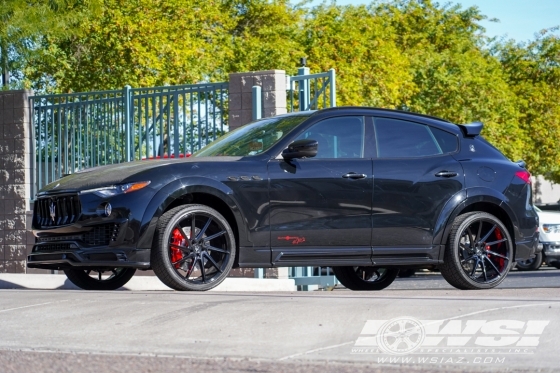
305	148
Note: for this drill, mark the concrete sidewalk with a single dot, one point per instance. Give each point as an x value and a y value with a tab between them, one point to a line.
140	283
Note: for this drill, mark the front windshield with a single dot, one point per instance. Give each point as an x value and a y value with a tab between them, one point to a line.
253	138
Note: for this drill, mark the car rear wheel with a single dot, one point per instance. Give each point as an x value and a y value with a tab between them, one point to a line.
365	278
479	252
530	264
99	278
405	273
194	248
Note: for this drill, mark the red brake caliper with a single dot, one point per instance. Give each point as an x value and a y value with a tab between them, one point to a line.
501	261
176	253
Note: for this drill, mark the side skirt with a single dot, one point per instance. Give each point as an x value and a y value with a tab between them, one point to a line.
261	257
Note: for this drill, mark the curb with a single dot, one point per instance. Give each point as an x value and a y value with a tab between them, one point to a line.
141	283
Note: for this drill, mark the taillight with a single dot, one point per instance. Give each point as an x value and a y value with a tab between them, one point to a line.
524	175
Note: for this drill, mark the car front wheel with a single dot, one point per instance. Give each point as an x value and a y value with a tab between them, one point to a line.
194	248
479	252
365	278
99	278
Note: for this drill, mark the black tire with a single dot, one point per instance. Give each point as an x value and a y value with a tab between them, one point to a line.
99	278
404	273
479	252
193	240
555	264
530	264
365	278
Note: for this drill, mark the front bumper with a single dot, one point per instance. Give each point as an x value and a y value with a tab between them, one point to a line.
80	233
552	251
69	255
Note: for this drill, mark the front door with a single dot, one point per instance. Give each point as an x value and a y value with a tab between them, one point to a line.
320	207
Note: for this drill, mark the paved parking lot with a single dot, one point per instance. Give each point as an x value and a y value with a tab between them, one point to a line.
515	327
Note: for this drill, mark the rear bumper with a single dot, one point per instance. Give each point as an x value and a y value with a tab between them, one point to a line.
527	249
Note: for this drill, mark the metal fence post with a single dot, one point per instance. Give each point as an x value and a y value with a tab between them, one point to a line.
127	131
332	78
257	102
303	90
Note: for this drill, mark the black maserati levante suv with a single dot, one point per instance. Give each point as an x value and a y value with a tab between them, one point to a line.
365	191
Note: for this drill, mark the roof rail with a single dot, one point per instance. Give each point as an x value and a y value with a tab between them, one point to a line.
383	109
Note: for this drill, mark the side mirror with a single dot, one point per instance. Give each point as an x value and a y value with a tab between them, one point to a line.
300	149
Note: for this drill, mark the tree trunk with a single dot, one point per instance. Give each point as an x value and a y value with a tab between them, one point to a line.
4	64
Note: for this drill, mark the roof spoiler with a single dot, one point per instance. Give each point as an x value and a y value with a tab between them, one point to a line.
472	129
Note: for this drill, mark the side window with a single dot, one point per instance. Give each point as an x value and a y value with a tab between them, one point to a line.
448	142
402	139
341	137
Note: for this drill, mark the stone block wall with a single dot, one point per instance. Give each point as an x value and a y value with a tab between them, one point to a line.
15	183
273	84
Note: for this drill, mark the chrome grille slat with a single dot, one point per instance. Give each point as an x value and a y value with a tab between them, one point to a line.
67	210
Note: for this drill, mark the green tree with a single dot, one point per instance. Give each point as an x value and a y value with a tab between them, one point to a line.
533	73
141	43
148	43
370	68
454	74
263	35
24	23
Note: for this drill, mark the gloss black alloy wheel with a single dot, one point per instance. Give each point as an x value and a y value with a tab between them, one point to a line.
530	264
365	278
194	248
479	252
99	278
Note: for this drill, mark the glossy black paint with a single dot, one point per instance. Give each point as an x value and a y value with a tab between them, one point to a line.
305	211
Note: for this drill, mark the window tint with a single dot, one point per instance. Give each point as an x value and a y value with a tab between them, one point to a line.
341	137
402	139
447	141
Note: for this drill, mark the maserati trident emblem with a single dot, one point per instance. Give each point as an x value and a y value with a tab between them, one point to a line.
52	210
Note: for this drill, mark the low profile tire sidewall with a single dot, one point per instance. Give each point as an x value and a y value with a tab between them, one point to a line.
452	253
81	279
348	277
178	282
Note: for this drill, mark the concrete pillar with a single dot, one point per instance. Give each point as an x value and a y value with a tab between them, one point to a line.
15	180
273	84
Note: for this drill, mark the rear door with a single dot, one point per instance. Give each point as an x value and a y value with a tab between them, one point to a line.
414	176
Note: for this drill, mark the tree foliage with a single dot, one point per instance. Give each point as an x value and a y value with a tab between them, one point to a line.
412	55
533	74
24	22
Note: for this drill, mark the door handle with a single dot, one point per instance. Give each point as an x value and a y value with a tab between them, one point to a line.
446	174
353	175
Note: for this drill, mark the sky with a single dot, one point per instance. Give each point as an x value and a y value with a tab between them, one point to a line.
519	19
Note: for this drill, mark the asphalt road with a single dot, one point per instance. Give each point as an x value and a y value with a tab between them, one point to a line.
515	327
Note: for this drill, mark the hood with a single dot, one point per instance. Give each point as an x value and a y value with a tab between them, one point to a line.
118	173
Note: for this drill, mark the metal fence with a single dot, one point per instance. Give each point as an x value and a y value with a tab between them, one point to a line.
82	130
311	91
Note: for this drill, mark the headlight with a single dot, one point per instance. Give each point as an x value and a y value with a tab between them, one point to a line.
551	228
117	189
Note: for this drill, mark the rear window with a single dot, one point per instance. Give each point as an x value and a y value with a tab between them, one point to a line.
448	142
